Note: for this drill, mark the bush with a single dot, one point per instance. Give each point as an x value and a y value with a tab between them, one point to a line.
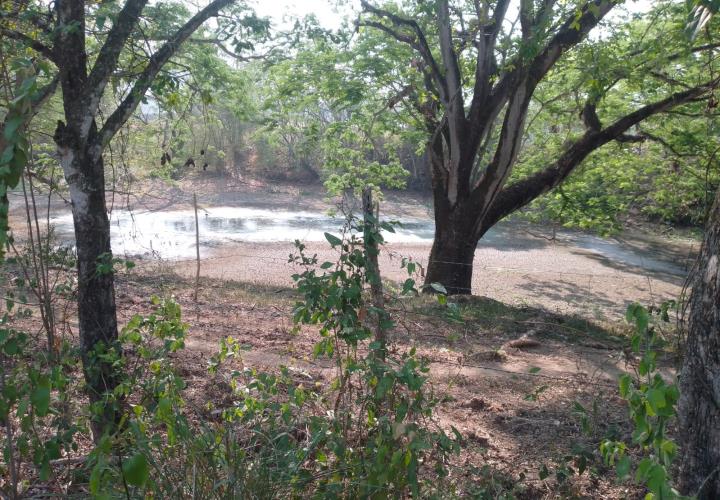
652	405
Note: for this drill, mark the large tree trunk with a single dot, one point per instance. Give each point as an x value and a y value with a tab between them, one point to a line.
453	252
80	147
96	290
699	406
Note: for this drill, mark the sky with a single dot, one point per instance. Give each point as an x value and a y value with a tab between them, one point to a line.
331	18
327	14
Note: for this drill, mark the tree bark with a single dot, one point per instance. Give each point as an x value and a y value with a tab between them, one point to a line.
453	252
84	171
80	144
699	405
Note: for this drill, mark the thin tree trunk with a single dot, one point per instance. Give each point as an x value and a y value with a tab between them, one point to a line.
373	268
699	406
197	249
9	452
96	292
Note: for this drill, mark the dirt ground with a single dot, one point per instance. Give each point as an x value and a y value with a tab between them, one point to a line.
514	406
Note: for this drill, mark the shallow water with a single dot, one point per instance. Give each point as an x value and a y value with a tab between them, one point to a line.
171	234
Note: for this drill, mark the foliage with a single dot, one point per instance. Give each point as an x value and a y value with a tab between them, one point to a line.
381	402
14	145
370	439
323	115
35	395
668	168
652	403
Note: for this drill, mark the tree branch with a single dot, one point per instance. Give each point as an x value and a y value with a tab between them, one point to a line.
118	118
522	192
516	88
572	31
485	69
109	54
421	44
450	60
36	45
454	106
220	45
45	93
526	19
386	29
37	101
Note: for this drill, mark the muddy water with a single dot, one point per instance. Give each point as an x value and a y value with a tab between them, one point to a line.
171	234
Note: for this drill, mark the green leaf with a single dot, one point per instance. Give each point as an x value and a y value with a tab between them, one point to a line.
638	314
668	448
11	127
643	468
44	469
11	347
136	470
383	387
656	398
439	288
623	467
656	478
544	473
333	240
40	397
625	382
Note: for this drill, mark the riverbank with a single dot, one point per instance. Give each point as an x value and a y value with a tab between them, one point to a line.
247	229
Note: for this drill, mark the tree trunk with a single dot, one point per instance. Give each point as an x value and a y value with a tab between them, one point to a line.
452	254
699	406
84	172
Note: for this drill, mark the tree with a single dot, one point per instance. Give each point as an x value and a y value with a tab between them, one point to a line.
86	66
324	109
699	406
479	82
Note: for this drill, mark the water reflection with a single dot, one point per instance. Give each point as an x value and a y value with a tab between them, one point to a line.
171	234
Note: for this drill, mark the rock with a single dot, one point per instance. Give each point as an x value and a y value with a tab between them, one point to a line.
499	355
